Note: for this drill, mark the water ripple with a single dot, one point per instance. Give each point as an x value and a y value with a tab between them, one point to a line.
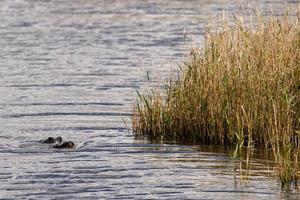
66	114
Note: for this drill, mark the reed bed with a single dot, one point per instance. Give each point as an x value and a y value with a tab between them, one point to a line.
240	90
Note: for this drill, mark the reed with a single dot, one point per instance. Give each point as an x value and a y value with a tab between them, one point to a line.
241	90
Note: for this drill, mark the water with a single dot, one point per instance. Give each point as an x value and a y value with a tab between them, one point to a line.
71	68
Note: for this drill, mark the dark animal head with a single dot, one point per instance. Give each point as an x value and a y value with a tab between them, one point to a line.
49	140
59	139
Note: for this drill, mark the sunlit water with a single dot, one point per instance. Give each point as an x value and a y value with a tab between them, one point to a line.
71	68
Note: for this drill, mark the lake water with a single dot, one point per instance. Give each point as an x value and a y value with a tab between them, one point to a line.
71	68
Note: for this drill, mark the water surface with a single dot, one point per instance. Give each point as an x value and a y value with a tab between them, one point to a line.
71	68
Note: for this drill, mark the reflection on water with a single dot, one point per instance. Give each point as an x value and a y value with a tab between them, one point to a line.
71	68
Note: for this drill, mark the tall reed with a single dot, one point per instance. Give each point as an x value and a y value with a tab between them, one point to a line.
241	89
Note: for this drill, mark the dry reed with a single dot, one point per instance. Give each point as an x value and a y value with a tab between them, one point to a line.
241	89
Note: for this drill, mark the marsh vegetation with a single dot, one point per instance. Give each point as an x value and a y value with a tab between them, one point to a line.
241	90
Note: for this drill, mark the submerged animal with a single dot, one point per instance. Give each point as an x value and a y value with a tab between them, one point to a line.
52	140
65	145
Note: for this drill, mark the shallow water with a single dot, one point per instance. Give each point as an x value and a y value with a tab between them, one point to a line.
71	68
